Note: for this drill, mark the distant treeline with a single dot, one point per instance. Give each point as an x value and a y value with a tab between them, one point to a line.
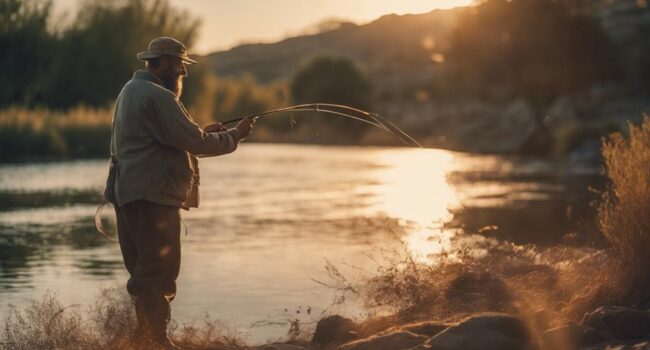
536	48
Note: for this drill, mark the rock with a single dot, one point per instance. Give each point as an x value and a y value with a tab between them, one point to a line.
621	322
400	340
490	331
575	239
421	347
619	346
479	291
571	336
281	347
539	320
426	328
334	329
641	346
377	325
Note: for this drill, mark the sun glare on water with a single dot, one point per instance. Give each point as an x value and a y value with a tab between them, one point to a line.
413	186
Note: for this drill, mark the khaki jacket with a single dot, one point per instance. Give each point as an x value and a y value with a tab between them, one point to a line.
155	144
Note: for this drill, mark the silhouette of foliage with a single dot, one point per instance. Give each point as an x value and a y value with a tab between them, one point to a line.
86	62
26	45
333	80
537	49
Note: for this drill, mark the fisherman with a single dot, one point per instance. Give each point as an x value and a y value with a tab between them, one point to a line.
154	172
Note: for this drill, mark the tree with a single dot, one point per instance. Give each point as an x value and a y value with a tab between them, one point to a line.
96	55
26	47
333	80
537	49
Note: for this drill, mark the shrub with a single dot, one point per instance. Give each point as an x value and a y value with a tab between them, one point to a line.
623	212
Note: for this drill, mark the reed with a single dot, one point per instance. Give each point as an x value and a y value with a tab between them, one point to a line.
42	133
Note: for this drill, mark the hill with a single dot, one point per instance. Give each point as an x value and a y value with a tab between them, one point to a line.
381	47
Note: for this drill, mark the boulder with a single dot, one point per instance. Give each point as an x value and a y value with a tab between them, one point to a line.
571	336
539	320
619	346
380	324
621	322
426	328
281	347
334	329
479	291
400	340
421	347
641	346
490	331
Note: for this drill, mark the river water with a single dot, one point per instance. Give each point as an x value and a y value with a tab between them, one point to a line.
271	216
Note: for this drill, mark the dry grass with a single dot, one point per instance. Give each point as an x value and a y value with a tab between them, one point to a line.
107	324
479	275
623	213
546	286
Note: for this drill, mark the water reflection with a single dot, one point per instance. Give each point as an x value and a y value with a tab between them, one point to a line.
412	185
271	213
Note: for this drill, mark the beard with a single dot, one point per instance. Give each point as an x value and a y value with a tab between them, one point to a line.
173	82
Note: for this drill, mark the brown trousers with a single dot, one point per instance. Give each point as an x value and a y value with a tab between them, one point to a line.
149	236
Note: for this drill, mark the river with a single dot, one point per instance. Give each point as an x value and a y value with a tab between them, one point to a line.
272	215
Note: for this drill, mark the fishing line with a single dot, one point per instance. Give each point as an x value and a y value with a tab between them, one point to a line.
98	221
373	119
100	226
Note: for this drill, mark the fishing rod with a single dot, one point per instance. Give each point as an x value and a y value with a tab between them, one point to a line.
373	119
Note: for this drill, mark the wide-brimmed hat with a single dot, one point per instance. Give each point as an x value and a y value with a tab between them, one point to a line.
165	46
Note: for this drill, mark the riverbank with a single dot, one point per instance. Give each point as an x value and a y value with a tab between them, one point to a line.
533	288
81	133
512	298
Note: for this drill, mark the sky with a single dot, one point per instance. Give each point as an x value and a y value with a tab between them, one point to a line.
227	23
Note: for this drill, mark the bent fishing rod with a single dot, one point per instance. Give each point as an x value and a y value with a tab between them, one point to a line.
373	119
327	108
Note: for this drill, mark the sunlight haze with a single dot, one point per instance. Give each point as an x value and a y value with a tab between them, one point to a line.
228	23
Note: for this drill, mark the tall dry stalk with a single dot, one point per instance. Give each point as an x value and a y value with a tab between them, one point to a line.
624	213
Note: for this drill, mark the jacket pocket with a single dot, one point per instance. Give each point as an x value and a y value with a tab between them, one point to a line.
177	180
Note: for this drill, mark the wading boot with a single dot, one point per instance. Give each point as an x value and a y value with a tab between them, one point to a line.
153	313
167	344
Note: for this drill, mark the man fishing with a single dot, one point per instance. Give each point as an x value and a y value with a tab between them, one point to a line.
154	173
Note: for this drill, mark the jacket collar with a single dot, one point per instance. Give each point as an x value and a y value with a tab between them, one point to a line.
144	75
